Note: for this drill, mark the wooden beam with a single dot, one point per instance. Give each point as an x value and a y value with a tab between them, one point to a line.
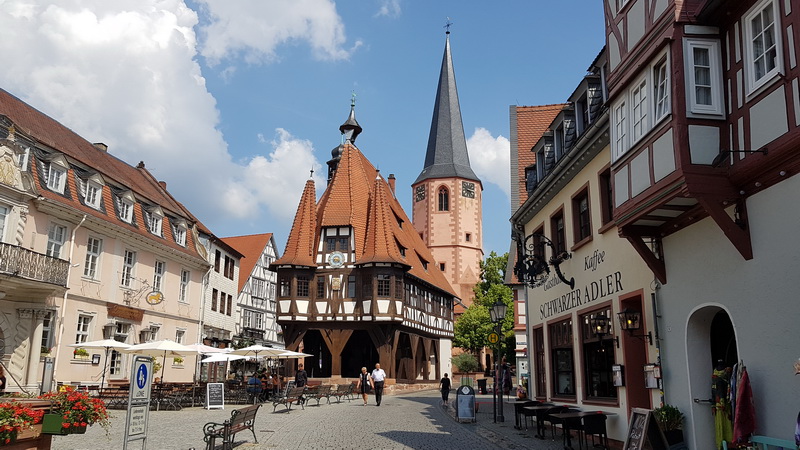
739	237
653	262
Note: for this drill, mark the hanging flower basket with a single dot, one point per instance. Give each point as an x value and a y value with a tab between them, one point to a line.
16	418
55	424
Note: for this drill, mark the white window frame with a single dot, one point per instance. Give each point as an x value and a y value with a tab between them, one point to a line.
154	222
755	12
159	269
180	333
91	264
5	210
619	129
22	160
56	177
126	210
47	329
662	90
93	195
83	328
717	106
55	243
128	268
639	110
183	292
179	232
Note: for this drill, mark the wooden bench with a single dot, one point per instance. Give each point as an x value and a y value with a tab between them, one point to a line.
343	390
768	443
241	419
114	397
292	395
318	393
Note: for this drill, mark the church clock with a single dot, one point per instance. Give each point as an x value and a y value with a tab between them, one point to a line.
468	189
419	194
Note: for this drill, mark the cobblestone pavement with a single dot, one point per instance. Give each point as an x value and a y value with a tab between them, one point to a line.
414	420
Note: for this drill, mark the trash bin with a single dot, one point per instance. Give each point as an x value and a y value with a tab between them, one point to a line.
465	403
482	386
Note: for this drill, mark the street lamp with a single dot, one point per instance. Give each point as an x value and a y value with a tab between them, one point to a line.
498	314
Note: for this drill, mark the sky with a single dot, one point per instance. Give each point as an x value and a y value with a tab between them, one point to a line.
233	102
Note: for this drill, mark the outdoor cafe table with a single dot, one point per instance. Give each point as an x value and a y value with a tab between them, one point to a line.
539	411
570	417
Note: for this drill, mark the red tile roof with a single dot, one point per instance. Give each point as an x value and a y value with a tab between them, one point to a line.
532	122
300	247
379	245
31	124
251	247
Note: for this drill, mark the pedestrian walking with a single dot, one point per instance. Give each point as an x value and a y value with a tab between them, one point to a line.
300	380
378	376
444	386
364	384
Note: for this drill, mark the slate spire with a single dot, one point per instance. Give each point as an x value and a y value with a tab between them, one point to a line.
447	156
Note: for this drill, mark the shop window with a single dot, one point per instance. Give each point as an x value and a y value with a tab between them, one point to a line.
598	357
562	359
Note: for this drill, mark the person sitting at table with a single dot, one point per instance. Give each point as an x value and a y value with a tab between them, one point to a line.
253	388
266	383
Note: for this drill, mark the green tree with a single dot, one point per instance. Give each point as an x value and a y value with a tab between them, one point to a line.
471	330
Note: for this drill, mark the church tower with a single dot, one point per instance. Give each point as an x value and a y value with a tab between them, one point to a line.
447	193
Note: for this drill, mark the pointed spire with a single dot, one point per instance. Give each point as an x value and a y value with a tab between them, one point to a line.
350	128
379	245
447	155
300	248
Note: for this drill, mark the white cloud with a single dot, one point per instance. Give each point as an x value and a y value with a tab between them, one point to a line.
254	29
489	157
389	8
125	73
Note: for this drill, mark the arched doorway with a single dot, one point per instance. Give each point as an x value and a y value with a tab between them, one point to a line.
710	336
359	352
318	366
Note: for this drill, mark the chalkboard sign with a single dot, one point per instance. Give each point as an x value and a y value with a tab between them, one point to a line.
215	395
644	428
465	403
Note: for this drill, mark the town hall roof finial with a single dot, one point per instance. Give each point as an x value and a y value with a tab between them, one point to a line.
350	129
447	25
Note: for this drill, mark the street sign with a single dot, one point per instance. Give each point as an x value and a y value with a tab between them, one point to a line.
138	401
493	338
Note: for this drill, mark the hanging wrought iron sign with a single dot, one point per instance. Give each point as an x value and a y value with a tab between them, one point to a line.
533	267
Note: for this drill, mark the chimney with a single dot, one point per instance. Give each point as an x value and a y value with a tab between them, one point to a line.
101	146
163	185
391	183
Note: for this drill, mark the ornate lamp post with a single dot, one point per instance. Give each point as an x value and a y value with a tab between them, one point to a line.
498	313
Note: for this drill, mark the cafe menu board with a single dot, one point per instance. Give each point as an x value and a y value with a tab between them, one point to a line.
644	428
215	395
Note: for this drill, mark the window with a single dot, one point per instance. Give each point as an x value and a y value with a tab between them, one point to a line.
351	286
252	319
598	356
302	286
468	237
47	330
229	267
258	288
704	76
117	358
184	287
82	333
581	216
3	219
94	247
639	110
344	243
538	361
320	287
285	287
214	295
562	363
22	162
158	275
763	44
444	199
125	210
384	285
230	305
557	230
154	222
179	232
621	130
441	266
398	287
217	259
179	334
128	263
606	197
660	91
56	177
330	244
94	192
56	236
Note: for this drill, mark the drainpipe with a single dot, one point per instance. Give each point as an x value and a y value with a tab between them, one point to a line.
656	316
64	298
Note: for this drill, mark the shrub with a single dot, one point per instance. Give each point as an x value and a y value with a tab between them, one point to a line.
669	417
466	362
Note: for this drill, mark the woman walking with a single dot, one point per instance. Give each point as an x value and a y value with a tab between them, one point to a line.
444	386
364	384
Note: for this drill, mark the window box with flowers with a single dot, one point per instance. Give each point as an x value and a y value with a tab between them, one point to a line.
80	353
177	361
72	412
16	419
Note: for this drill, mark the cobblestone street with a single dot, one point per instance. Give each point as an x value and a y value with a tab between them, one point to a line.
414	420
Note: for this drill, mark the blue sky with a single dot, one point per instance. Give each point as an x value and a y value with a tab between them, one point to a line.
232	102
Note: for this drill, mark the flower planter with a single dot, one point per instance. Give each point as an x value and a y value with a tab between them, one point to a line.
53	424
30	433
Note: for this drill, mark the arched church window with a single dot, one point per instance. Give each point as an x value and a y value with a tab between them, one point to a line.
444	199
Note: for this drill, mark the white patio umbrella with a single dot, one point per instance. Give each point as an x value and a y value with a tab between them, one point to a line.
221	357
258	351
161	348
203	349
288	354
106	344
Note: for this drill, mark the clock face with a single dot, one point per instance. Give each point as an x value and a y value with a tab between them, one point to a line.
420	193
336	259
468	189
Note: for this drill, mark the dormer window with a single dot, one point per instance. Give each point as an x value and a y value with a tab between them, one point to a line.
124	203
94	192
56	177
179	232
155	218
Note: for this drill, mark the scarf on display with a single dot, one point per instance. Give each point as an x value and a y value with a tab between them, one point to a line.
745	417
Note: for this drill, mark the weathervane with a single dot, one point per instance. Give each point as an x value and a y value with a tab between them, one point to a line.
353	98
447	25
312	173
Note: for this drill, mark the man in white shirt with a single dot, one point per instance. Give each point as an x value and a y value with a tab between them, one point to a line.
378	377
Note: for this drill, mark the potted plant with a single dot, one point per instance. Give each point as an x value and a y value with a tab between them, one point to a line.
177	361
72	411
80	353
670	419
15	418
